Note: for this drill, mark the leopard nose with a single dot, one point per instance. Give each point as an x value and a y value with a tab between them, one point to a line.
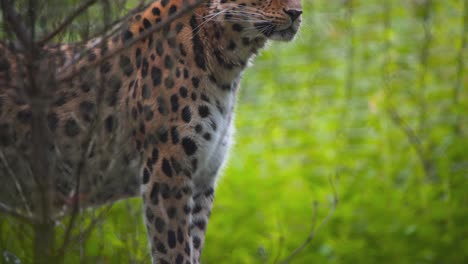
293	13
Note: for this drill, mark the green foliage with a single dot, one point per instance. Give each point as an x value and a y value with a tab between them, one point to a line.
371	97
338	103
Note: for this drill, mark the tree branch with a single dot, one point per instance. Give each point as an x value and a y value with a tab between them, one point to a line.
83	235
414	141
314	230
15	180
7	210
83	7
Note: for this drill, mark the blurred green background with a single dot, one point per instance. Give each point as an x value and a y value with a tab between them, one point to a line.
368	107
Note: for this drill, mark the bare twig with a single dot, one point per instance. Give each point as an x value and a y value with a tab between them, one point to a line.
7	210
90	140
40	138
91	137
18	187
414	141
68	20
280	248
83	235
37	92
117	24
412	136
315	229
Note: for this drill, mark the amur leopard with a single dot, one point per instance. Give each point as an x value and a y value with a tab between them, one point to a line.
161	112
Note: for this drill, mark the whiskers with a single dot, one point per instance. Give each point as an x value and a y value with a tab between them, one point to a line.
237	14
208	18
264	28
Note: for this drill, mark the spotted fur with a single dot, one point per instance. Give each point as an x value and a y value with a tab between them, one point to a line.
161	113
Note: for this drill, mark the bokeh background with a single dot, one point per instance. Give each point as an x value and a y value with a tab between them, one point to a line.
355	134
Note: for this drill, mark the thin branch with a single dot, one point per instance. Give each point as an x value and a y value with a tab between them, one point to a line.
90	139
314	230
114	26
19	189
280	247
412	136
410	133
83	235
90	136
7	210
83	7
414	141
64	76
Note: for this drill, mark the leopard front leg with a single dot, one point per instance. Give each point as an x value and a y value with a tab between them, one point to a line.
203	203
178	182
204	190
168	201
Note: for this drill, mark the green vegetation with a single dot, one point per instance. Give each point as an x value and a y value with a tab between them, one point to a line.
372	96
370	101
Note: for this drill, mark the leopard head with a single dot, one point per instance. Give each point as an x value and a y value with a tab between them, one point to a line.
273	19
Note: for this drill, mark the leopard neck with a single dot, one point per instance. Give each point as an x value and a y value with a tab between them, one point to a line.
227	46
217	49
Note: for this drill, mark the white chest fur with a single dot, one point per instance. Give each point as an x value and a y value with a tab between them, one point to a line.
216	136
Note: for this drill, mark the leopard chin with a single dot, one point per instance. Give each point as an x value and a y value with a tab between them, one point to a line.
285	35
276	33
